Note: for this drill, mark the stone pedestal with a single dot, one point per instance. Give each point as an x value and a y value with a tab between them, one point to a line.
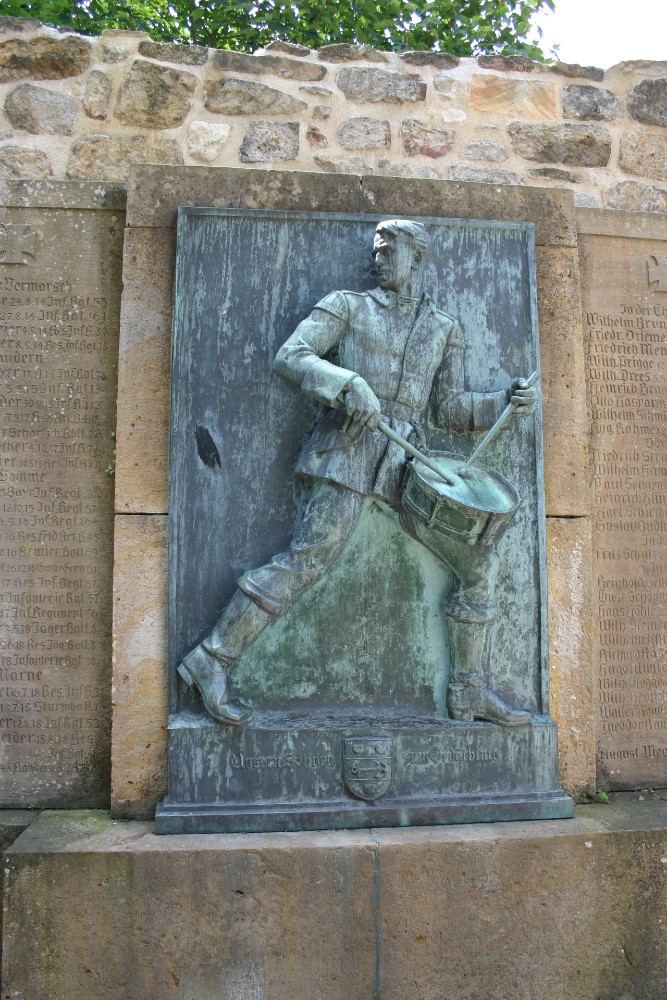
560	910
295	772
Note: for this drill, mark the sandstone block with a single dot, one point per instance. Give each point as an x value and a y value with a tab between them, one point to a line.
124	35
377	85
97	95
139	685
314	91
347	52
647	102
507	64
189	918
550	911
550	210
315	138
634	196
205	140
454	95
644	154
288	48
399	168
454	115
446	87
441	60
349	914
554	174
590	104
164	149
247	97
343	164
492	152
154	96
483	175
268	142
571	675
43	58
649	68
18	25
40	111
106	157
575	145
142	423
574	70
499	95
21	163
155	192
420	137
12	821
566	431
188	55
112	54
583	200
364	133
290	69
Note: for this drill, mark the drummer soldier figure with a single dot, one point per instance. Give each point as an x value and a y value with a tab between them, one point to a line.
385	354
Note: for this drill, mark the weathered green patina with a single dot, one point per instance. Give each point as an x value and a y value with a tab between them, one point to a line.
381	630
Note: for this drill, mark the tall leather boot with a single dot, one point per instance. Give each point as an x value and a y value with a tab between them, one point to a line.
207	666
469	696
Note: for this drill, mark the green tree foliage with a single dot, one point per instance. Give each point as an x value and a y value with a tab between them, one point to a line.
461	27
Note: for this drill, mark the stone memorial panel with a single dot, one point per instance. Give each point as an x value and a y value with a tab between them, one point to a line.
60	261
624	289
393	676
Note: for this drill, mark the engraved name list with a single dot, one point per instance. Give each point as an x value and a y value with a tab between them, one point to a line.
625	319
59	280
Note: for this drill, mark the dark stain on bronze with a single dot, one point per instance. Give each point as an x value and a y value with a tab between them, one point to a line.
207	448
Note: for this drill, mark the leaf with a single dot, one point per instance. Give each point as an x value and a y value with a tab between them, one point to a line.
461	27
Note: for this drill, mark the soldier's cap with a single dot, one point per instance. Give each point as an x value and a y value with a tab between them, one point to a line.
415	232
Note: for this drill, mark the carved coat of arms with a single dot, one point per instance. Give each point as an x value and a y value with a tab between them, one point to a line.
367	768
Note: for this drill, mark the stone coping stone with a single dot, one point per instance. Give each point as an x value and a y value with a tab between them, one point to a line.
630	225
12	823
155	192
92	831
62	194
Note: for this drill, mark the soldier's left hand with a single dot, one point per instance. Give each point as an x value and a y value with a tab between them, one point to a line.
523	399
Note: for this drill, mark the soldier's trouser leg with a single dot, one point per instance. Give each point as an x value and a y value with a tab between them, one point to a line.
471	609
327	516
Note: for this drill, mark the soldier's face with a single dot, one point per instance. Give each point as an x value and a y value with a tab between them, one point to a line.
394	260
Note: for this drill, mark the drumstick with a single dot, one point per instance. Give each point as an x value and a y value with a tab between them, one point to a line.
489	436
393	436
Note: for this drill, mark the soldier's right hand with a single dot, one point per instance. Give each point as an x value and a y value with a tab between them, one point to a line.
363	408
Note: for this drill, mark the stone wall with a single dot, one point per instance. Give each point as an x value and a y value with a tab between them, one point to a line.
87	108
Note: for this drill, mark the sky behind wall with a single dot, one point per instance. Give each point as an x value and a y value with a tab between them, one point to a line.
605	32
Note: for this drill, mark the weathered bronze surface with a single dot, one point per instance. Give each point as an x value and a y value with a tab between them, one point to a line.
394	649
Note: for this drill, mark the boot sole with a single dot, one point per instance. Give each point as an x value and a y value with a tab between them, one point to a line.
220	715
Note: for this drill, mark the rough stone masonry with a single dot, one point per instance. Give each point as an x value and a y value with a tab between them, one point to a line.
88	108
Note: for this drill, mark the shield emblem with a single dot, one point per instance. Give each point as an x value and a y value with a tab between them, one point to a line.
367	771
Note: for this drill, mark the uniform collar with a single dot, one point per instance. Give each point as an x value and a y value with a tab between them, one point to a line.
387	297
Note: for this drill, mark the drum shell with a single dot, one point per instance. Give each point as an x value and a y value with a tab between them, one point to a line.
448	516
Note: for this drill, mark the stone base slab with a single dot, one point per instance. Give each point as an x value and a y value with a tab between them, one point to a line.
555	910
332	771
310	816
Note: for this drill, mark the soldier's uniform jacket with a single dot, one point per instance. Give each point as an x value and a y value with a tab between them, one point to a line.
413	362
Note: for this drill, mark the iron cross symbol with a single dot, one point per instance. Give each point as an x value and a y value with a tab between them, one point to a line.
16	242
657	273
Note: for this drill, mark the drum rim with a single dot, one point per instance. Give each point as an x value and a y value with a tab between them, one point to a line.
458	504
